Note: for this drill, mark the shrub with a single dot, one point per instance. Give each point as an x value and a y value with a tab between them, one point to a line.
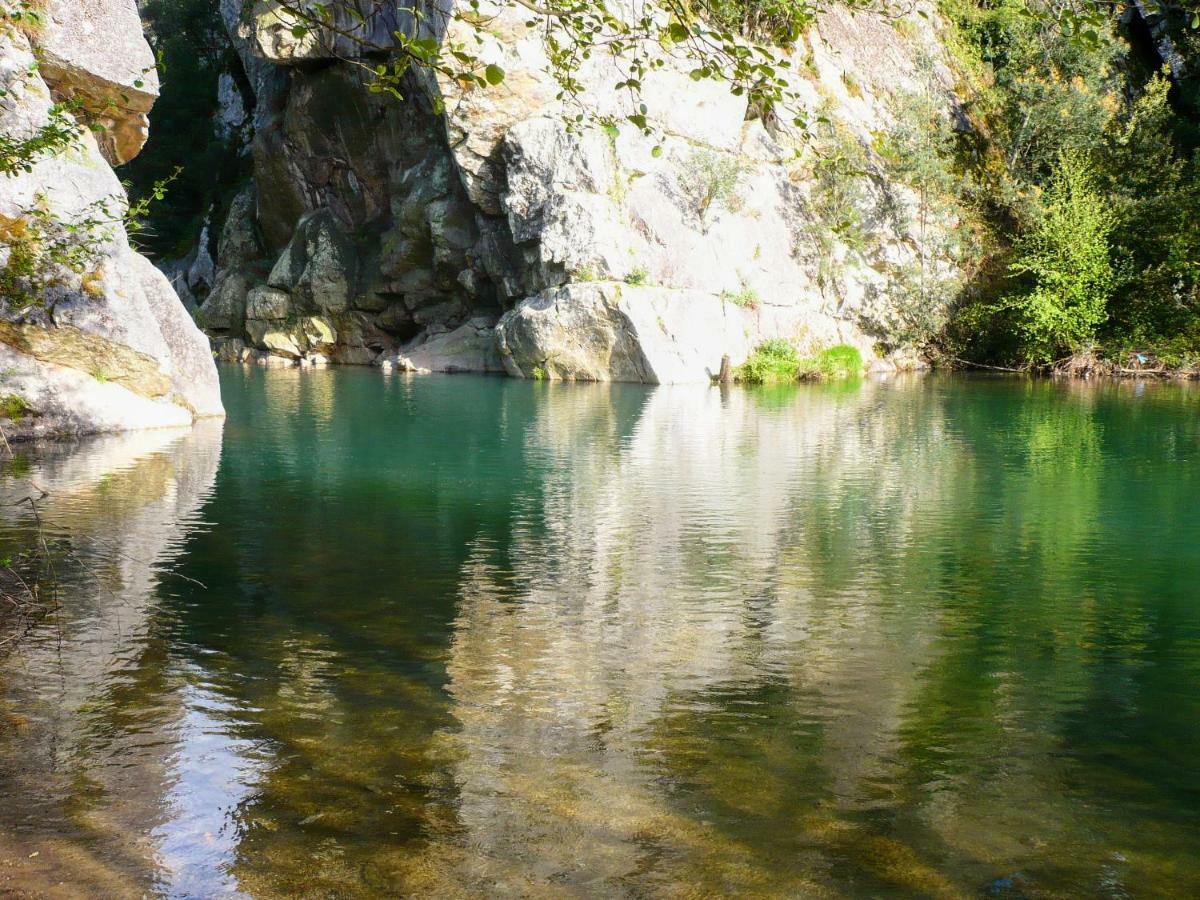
25	16
776	361
770	363
57	135
638	275
745	297
777	21
919	152
41	252
839	191
710	179
1066	256
13	407
840	361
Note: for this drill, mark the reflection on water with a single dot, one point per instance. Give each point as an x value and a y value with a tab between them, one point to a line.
90	711
465	637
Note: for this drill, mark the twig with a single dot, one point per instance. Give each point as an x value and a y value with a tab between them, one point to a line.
967	362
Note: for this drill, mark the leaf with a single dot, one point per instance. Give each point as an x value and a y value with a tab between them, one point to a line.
656	152
679	32
299	31
494	74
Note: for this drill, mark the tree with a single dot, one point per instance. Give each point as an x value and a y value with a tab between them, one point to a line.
1067	257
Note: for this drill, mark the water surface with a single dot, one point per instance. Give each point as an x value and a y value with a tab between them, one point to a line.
456	636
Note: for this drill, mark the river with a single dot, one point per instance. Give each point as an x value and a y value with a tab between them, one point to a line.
461	636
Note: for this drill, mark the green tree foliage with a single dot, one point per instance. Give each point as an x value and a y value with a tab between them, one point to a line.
19	152
1065	257
709	180
920	153
1153	184
1049	86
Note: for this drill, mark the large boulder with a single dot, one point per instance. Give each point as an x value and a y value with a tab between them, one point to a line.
608	331
94	52
238	252
105	344
471	347
318	266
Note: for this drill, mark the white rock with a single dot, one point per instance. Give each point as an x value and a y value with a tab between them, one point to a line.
120	333
469	348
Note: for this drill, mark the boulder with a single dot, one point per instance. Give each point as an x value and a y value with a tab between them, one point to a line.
471	347
613	332
94	51
225	309
281	340
264	302
607	331
293	339
110	348
318	266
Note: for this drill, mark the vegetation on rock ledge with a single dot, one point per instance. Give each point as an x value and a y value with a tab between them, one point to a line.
777	361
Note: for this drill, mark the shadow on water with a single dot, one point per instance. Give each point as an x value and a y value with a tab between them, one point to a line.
461	636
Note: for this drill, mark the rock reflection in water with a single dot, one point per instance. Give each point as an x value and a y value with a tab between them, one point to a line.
659	578
93	718
714	656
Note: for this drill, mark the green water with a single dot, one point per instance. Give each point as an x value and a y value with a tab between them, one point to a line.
455	636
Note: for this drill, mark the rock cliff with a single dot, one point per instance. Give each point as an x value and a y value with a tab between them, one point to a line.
92	337
497	235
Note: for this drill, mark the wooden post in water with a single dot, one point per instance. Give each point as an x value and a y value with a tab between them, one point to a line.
726	370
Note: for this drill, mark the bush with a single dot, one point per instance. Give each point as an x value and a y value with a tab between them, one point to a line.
40	252
14	408
777	361
919	151
638	276
840	361
745	296
839	188
770	363
710	179
1066	257
777	21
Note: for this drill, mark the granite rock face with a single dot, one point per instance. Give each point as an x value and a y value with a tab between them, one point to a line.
595	255
93	51
108	346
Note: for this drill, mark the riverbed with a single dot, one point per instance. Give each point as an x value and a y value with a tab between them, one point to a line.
463	636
